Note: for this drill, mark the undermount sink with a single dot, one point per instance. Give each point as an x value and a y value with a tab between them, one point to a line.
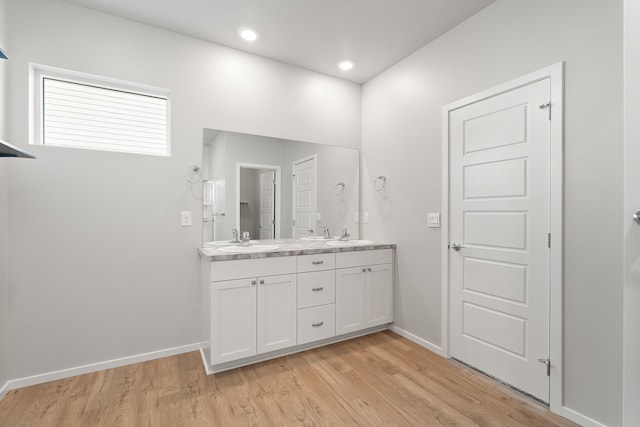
248	249
317	238
349	242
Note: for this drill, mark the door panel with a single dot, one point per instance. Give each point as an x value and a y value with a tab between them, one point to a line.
267	205
304	197
233	320
277	311
499	213
350	300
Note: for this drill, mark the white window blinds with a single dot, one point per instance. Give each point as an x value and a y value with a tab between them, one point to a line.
101	118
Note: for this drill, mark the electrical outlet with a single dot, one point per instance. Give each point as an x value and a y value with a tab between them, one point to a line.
185	218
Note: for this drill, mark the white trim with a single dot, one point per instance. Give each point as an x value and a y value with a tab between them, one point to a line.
577	417
278	170
556	74
4	390
100	366
416	339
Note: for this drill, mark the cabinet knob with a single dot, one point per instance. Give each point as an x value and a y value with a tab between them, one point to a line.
317	325
253	283
262	282
369	269
364	270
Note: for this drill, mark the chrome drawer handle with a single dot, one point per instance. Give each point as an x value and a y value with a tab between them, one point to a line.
317	289
317	262
317	325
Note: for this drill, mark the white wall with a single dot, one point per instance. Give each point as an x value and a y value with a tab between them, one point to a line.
631	351
402	137
4	210
100	267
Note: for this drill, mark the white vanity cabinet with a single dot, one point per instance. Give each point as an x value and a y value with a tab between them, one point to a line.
252	315
364	290
263	307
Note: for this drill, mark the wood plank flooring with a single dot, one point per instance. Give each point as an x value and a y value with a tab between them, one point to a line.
376	380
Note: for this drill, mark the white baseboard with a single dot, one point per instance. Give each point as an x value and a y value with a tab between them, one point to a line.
4	390
577	417
94	367
416	339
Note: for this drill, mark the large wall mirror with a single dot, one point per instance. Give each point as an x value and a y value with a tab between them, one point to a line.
276	188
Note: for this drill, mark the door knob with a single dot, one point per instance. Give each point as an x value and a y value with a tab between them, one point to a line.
456	246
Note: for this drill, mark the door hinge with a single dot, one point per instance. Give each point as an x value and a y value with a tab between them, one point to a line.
548	363
549	240
546	106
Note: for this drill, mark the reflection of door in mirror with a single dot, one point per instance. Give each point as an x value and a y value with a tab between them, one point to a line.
258	192
304	197
267	205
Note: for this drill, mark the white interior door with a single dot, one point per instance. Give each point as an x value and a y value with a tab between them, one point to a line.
499	214
267	204
304	198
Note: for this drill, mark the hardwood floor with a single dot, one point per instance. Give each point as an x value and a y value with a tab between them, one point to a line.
377	380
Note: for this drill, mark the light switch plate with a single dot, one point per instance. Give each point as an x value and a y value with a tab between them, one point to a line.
433	220
185	218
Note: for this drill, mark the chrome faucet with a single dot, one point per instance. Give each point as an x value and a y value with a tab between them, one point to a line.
327	235
236	236
246	239
345	235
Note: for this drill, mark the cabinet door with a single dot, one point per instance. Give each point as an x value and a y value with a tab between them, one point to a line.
350	300
277	312
233	320
379	291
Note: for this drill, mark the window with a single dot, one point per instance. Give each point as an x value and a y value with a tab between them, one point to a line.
81	111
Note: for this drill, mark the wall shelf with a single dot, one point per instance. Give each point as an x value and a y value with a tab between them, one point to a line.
8	150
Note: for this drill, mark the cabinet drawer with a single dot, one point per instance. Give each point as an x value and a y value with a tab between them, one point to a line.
316	288
316	262
243	268
316	323
358	258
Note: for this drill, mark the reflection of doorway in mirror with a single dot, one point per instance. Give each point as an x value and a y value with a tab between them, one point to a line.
258	195
304	196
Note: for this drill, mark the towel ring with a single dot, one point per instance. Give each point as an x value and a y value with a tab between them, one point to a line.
193	174
380	183
340	188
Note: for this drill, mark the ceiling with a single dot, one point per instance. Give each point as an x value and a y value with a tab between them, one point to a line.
312	34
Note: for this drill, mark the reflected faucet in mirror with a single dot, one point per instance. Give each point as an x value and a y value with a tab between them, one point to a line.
276	188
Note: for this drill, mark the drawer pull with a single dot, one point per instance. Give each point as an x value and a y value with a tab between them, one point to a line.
317	325
262	282
317	262
317	289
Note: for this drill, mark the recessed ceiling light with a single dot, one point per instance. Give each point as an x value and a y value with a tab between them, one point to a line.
345	65
248	34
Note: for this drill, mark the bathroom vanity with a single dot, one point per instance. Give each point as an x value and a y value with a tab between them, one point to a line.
257	306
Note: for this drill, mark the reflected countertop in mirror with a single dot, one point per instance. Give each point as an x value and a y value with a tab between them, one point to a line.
276	188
